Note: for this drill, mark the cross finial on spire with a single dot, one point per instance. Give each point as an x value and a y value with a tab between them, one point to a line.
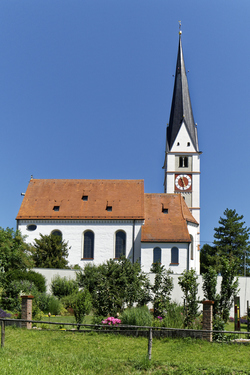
180	32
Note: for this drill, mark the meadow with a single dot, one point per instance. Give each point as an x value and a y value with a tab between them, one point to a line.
62	352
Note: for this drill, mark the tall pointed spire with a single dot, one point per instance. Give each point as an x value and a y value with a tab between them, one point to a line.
181	109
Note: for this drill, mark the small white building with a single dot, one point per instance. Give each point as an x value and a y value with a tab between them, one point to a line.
103	219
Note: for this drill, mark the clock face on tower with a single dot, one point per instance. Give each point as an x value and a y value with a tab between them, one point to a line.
183	182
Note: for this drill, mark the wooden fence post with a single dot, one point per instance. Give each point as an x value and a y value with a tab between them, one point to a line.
2	333
150	339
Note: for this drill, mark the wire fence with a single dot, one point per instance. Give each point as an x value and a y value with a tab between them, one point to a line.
145	331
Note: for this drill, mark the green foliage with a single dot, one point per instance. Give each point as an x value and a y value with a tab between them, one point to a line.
174	317
11	296
231	240
209	288
32	276
61	286
162	288
113	284
229	287
14	252
189	286
54	305
218	325
49	251
82	305
137	316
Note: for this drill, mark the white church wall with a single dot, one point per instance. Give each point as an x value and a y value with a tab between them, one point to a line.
147	250
104	237
195	262
176	295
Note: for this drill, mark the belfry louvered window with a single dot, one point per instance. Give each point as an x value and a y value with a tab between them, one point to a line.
88	245
183	162
120	244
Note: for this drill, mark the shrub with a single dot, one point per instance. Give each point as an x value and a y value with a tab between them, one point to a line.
82	305
189	287
11	299
36	278
162	288
61	286
54	305
137	316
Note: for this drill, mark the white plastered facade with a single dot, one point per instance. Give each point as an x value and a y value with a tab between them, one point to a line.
104	237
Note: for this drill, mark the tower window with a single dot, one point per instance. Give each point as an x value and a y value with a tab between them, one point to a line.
109	208
188	144
56	208
183	162
85	197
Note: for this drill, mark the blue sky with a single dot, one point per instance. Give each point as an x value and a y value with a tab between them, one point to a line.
86	89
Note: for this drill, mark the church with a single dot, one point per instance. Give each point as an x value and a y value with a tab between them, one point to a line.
103	219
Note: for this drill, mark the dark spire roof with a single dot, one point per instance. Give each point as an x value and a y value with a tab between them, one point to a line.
181	109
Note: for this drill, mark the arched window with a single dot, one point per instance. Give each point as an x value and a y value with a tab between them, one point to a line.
157	255
120	244
57	233
174	255
192	247
88	245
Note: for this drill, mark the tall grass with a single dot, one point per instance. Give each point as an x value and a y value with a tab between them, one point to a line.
137	316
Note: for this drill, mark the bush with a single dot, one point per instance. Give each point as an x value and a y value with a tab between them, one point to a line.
61	286
11	296
36	278
137	316
82	305
54	305
218	325
175	316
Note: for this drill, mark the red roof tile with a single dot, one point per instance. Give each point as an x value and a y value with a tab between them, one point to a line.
166	217
126	197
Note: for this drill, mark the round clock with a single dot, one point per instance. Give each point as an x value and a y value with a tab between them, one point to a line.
183	182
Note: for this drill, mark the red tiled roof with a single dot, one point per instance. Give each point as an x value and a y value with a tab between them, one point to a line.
166	217
126	197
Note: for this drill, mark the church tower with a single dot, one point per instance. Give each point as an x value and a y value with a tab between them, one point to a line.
182	155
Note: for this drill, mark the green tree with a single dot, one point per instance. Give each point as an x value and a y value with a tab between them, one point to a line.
189	287
113	284
231	240
209	288
229	286
81	305
14	253
162	288
49	251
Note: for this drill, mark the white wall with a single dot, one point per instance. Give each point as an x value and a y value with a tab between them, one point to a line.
104	240
147	256
244	285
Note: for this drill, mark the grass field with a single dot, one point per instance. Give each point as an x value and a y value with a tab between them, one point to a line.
59	352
